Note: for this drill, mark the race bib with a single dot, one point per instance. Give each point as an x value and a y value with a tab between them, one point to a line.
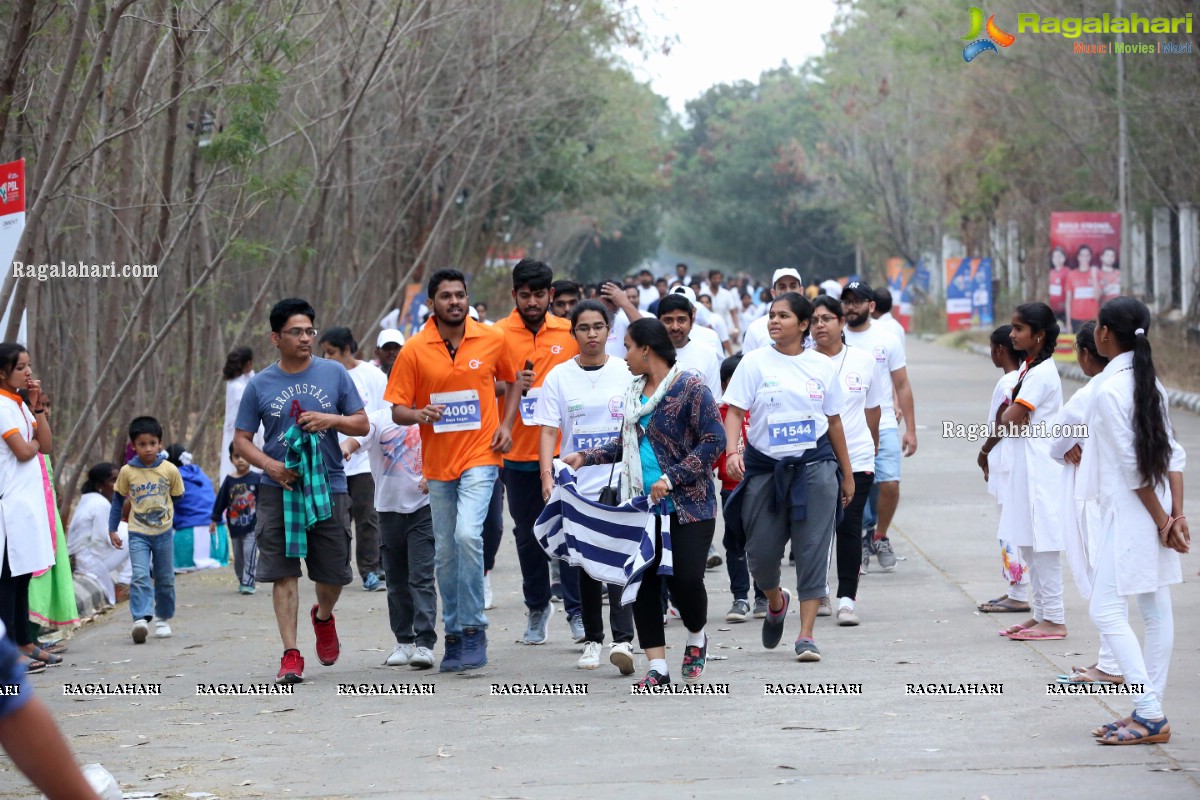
1055	290
791	432
528	406
1085	293
462	411
585	437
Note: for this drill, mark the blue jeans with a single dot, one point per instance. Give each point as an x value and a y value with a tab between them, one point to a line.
459	508
158	553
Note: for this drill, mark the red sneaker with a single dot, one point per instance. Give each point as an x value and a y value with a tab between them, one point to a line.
328	646
291	667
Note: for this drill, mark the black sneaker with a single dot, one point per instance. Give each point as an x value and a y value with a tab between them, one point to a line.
772	630
452	659
654	678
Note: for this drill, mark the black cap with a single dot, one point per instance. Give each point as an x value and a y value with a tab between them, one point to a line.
860	288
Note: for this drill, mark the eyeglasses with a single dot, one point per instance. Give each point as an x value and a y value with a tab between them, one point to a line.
824	319
296	333
599	327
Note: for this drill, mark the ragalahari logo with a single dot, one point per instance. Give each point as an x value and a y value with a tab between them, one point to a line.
995	36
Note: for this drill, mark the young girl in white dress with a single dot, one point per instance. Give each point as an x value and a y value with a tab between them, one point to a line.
1029	517
1137	475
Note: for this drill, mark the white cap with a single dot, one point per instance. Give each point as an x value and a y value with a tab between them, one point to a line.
389	336
474	314
833	289
783	273
687	292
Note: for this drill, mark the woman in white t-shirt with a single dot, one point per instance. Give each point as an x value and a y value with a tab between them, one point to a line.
1030	515
237	372
338	344
25	544
87	537
796	466
860	421
582	401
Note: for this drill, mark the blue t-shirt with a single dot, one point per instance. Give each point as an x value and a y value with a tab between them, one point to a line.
651	469
276	399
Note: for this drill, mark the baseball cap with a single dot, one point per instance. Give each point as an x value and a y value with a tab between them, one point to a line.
860	288
784	273
474	314
687	292
389	336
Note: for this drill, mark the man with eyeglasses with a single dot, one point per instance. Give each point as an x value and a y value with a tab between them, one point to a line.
319	396
858	301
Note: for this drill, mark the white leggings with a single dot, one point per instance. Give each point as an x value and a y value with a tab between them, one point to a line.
1110	613
1046	581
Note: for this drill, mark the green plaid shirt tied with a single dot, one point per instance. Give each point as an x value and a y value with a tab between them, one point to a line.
311	503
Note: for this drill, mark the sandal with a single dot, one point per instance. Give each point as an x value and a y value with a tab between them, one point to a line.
47	658
1093	675
1157	732
32	665
1108	727
1031	635
1011	629
58	647
1003	604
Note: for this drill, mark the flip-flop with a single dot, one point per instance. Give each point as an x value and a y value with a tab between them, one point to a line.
33	666
58	647
1010	630
1002	605
47	658
1076	677
1030	635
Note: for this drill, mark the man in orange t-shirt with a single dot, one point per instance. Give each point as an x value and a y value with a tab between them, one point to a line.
445	380
541	341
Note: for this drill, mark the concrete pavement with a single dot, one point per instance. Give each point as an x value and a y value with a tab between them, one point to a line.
919	626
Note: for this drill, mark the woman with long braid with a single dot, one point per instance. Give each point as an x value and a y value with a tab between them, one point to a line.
1031	519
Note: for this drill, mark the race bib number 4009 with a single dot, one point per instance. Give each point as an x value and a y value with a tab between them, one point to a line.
462	411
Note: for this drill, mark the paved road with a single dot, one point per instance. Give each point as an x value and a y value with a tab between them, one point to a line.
919	625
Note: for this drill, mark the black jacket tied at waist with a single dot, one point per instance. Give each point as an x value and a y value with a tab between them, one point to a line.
790	477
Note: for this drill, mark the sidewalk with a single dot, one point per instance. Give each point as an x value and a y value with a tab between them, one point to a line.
919	626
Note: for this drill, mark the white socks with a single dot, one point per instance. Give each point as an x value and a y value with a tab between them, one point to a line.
845	602
695	639
659	665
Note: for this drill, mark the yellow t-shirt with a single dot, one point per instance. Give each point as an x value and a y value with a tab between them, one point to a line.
150	491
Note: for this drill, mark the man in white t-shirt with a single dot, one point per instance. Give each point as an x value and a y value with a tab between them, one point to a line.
677	315
701	332
406	528
857	301
783	281
725	303
623	311
647	292
882	314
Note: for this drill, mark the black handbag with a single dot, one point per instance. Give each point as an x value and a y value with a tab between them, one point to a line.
609	496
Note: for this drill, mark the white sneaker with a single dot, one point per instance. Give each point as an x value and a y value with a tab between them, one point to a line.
620	655
140	630
488	603
161	629
401	656
422	658
591	656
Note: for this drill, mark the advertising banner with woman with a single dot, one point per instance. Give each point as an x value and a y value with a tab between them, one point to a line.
1084	264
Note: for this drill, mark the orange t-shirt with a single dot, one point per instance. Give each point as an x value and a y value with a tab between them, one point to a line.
424	372
550	346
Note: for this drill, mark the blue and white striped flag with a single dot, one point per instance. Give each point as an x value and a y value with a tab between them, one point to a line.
611	544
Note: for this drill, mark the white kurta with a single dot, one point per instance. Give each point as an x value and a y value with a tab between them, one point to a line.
1030	515
1079	518
24	521
1144	565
